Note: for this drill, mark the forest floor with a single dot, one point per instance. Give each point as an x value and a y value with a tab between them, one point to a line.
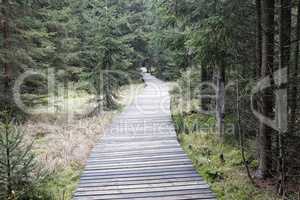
228	177
62	142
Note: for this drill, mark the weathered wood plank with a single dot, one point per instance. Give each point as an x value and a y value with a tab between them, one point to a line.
142	186
144	175
144	170
179	189
98	168
131	159
129	179
100	164
205	194
136	181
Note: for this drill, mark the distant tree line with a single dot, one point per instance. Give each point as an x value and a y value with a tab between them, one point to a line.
79	40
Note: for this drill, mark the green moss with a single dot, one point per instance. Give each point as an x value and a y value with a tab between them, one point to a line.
57	186
228	180
64	183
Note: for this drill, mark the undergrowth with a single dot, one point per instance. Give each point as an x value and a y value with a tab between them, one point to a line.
59	185
228	179
62	142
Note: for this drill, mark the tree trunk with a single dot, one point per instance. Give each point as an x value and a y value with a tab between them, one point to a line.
258	39
258	58
205	102
220	101
284	62
8	165
215	7
294	84
241	132
292	141
265	135
6	44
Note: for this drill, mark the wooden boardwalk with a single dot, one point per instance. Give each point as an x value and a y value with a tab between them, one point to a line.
139	156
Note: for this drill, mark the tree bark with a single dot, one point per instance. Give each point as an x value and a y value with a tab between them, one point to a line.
265	132
284	62
8	163
258	59
220	101
292	141
294	84
241	133
6	43
258	39
205	102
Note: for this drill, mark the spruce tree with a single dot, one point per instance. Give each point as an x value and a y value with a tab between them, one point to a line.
17	162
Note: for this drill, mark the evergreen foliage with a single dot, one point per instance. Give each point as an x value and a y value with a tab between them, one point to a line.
18	169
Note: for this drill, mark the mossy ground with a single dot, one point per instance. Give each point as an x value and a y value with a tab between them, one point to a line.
58	186
228	180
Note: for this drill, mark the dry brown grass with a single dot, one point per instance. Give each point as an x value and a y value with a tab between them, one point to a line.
62	140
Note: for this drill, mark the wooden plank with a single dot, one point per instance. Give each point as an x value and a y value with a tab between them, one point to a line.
181	197
141	165
138	139
145	152
136	181
129	179
137	145
128	187
143	190
97	171
140	159
206	194
135	154
139	174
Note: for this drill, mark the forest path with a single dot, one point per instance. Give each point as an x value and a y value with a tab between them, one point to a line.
140	158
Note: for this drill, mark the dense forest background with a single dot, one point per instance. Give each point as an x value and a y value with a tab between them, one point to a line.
231	44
